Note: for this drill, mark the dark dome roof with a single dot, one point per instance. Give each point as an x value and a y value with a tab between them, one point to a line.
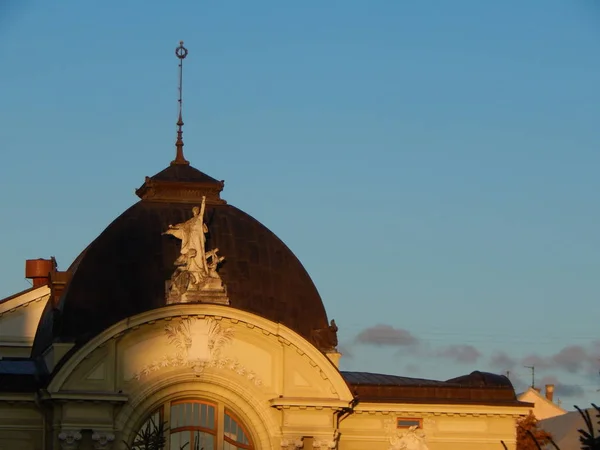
482	379
123	272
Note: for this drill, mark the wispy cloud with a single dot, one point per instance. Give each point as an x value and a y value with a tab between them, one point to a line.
571	359
386	335
502	361
460	353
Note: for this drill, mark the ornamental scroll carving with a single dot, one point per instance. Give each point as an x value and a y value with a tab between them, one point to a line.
328	443
69	440
197	344
292	443
322	444
196	277
103	440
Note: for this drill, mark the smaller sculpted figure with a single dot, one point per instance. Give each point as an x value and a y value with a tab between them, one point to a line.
325	338
185	276
333	329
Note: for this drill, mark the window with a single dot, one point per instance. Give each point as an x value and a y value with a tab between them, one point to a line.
403	422
194	425
235	435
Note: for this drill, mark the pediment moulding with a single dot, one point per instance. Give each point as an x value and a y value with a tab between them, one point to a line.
24	300
216	313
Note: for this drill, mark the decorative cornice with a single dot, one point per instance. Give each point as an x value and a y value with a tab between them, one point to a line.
308	403
441	410
181	191
16	397
84	397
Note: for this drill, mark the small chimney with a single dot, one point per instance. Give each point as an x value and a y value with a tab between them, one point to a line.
550	392
38	271
537	389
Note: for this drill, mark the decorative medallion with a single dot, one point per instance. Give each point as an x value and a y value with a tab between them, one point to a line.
197	344
195	278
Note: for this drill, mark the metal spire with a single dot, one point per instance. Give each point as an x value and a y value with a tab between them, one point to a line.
181	53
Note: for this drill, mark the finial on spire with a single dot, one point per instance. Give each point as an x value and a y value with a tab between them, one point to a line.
181	53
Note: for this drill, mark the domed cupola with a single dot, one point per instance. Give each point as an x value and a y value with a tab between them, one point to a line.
182	243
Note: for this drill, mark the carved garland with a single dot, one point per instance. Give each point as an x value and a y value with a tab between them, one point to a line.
168	360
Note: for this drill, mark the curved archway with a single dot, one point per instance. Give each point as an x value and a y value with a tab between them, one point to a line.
191	415
195	423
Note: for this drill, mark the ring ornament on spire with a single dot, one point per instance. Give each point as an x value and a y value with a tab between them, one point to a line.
181	52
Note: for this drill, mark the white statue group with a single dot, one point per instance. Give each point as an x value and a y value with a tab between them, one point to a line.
196	274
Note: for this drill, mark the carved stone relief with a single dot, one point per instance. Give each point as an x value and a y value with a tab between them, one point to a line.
411	438
323	444
196	277
292	443
69	440
103	440
197	344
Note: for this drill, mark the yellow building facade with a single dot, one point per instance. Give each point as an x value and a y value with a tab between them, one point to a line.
189	323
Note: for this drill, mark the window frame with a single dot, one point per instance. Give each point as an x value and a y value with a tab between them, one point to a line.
419	421
164	412
240	424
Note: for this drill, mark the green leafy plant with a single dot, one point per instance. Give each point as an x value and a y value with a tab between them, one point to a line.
150	437
590	438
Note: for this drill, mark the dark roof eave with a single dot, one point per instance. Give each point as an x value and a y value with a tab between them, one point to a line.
443	401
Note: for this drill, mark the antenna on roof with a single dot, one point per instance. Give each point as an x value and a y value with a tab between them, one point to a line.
532	368
181	53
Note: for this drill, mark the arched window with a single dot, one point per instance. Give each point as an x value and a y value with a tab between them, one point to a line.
192	425
234	434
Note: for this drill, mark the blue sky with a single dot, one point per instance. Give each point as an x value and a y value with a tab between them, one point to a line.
433	164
